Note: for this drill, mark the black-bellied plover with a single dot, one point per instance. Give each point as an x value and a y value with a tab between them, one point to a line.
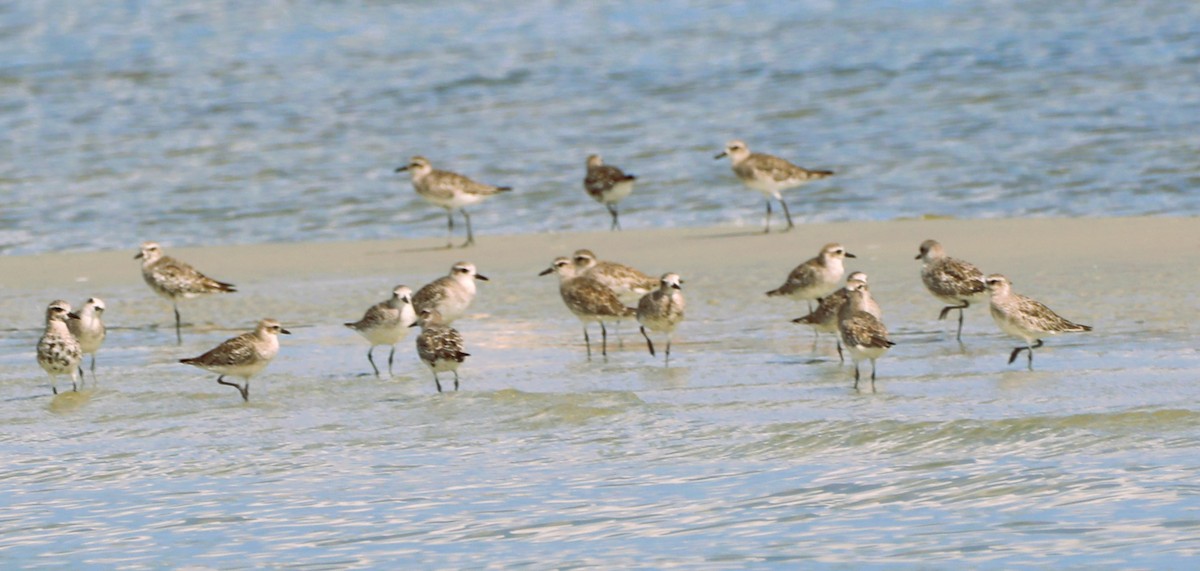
863	334
439	346
824	319
451	294
243	356
590	301
950	280
661	311
769	175
449	190
387	323
175	280
1024	318
58	351
815	278
607	185
628	283
89	330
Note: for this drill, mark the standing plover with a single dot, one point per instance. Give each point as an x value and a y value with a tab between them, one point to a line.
863	334
628	283
662	310
950	280
387	323
450	295
824	319
769	175
451	191
89	330
589	300
175	280
242	356
608	185
58	351
439	346
1024	318
816	277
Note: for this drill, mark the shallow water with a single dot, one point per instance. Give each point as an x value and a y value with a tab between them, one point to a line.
196	124
751	448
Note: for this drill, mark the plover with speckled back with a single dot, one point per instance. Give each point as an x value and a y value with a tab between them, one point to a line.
439	346
824	319
628	283
863	334
449	190
661	310
387	323
450	295
589	300
608	185
58	351
1024	318
175	280
243	356
816	277
769	175
89	330
950	280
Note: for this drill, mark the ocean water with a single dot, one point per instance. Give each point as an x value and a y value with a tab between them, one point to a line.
197	123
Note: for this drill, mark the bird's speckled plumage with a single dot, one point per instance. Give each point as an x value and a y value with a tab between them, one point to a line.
863	334
823	319
628	283
448	190
816	277
387	323
768	175
588	299
89	330
58	351
607	185
661	310
451	294
950	280
243	356
174	279
1025	318
440	346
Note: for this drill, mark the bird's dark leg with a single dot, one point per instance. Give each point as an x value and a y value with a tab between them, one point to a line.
245	391
872	375
649	343
786	214
470	235
616	223
668	360
856	375
93	367
456	380
178	335
391	357
436	382
841	358
449	228
960	308
587	341
767	228
603	340
1031	348
371	360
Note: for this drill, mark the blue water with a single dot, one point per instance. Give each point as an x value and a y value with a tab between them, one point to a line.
195	123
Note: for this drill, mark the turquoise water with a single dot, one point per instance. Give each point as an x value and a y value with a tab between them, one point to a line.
195	123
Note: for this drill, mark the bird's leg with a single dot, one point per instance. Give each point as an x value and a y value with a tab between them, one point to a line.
603	340
767	228
649	343
178	335
1031	348
856	375
612	209
872	375
841	358
787	214
371	360
958	336
470	235
449	228
245	391
587	341
668	360
960	308
93	367
391	356
437	382
456	380
1013	356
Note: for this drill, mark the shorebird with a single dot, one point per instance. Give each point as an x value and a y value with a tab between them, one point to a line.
1024	318
662	310
451	294
387	323
607	185
89	330
628	283
58	351
590	301
243	356
816	277
950	280
175	280
439	346
769	175
449	190
863	334
824	319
